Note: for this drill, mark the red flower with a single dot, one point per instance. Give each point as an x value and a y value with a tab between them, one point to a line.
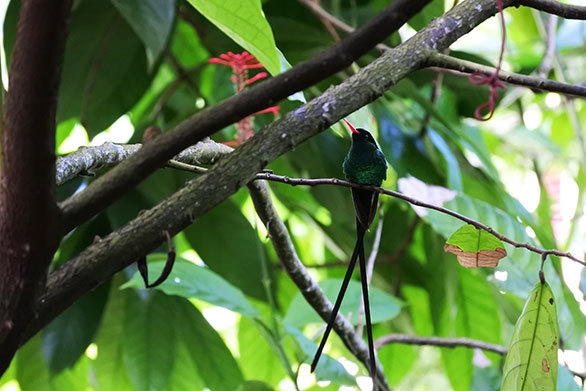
240	64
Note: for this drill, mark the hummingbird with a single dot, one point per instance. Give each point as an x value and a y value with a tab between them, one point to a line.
365	164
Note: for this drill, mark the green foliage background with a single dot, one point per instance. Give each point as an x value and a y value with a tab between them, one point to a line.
229	318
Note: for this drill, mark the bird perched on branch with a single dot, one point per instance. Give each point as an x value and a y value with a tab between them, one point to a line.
365	164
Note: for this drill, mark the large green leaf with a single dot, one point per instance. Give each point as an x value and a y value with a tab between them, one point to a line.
185	375
31	372
68	335
96	85
397	360
150	340
434	9
462	305
382	305
257	359
109	366
151	20
254	385
245	23
454	177
33	375
226	242
195	282
327	368
476	317
531	362
216	365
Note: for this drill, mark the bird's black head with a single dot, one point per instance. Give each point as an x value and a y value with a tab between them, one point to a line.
362	135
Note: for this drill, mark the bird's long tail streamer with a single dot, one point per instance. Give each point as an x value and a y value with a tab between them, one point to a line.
363	278
358	248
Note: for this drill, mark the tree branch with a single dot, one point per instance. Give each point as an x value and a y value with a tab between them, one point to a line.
447	62
89	159
28	210
449	343
413	201
438	341
102	192
313	294
558	8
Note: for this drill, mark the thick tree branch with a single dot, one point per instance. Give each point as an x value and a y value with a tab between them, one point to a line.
28	210
285	250
447	62
413	201
102	192
101	260
438	341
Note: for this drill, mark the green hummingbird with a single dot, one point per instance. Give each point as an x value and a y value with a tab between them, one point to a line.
365	164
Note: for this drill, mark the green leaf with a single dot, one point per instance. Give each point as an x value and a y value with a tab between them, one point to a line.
244	22
195	282
75	378
186	45
452	167
532	362
96	86
257	359
110	367
226	242
149	348
382	305
66	338
185	375
31	372
151	20
216	365
397	360
475	247
432	10
327	368
285	66
254	385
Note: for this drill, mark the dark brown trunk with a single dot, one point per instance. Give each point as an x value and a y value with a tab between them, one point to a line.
28	211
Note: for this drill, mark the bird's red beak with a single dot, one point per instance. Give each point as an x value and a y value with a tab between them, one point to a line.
350	126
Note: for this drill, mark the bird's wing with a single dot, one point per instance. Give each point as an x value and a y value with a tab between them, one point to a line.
365	202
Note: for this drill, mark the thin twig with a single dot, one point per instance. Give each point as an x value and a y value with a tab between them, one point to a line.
447	62
185	167
183	73
438	341
450	343
413	201
370	267
327	24
550	48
